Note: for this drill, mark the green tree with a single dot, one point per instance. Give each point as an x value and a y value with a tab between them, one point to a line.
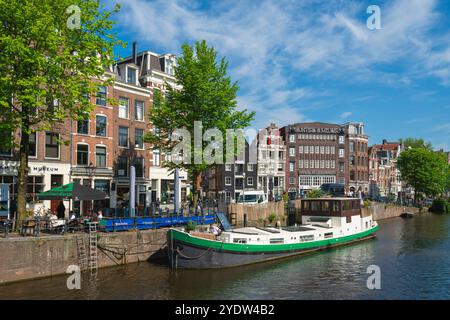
204	93
416	143
52	55
424	170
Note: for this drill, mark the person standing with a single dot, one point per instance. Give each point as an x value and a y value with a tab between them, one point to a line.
61	210
12	210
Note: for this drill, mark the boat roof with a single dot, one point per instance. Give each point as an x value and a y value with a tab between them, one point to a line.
328	199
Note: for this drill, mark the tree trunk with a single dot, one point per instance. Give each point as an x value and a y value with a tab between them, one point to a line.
196	179
22	175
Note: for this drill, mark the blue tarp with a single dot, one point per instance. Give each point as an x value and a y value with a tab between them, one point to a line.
143	223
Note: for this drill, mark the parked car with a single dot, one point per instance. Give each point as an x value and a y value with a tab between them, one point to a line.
252	197
334	189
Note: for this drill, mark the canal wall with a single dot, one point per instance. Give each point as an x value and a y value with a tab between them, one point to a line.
256	214
381	211
31	257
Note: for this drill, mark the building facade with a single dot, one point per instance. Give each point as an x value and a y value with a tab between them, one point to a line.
48	166
151	71
225	182
384	175
316	153
358	158
271	162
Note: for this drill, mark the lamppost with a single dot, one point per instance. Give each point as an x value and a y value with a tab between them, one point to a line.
243	186
90	172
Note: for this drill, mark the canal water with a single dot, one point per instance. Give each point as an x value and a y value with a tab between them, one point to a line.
413	256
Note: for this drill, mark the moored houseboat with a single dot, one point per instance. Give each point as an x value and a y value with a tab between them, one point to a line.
326	222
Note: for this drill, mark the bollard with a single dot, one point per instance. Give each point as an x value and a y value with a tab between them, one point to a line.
245	220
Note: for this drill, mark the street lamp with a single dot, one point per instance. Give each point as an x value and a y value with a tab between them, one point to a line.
90	172
243	187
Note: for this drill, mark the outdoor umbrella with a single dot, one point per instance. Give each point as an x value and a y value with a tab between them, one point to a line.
73	191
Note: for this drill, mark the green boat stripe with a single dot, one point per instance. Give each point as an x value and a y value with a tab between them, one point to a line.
235	247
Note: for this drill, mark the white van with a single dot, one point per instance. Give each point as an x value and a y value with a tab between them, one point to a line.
252	197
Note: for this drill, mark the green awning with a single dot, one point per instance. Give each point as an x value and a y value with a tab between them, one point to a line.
72	191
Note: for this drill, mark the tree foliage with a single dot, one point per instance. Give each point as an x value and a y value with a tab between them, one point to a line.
49	63
416	143
204	93
424	170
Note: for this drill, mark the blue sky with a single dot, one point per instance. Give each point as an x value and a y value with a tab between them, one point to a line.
316	60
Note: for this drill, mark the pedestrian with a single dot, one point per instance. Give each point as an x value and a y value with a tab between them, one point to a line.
61	210
12	209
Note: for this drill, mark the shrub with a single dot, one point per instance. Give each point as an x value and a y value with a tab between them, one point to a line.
439	206
190	226
366	204
272	217
316	193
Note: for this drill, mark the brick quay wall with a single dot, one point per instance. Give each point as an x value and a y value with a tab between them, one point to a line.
34	257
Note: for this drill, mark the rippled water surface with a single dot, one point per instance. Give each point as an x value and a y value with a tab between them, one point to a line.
413	254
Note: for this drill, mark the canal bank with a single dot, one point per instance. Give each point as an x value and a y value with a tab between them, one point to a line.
412	255
34	257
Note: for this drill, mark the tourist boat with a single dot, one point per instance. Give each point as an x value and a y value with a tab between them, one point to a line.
326	223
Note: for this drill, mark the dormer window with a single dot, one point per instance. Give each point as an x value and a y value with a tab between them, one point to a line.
131	75
169	64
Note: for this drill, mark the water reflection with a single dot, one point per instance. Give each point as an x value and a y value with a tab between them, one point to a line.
412	254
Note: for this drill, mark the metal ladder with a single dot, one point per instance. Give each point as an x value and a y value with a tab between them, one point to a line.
82	259
93	248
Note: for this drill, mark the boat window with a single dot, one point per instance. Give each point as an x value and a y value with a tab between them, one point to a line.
315	206
326	206
346	205
239	240
306	238
328	235
336	206
306	205
276	240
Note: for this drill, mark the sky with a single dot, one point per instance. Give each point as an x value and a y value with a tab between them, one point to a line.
311	60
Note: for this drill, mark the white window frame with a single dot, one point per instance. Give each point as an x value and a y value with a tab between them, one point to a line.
228	181
106	155
106	128
128	107
88	152
45	146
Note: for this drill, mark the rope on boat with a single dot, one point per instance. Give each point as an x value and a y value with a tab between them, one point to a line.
196	257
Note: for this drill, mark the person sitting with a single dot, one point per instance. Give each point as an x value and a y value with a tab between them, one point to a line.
99	215
214	230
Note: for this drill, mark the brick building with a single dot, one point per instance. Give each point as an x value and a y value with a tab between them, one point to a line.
49	165
225	182
153	71
271	162
357	146
383	172
316	153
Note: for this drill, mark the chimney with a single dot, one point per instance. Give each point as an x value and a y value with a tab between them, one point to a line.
134	53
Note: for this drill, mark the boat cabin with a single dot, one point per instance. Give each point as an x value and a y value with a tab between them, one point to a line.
345	213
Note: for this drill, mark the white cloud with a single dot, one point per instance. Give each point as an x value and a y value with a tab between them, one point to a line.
345	115
270	44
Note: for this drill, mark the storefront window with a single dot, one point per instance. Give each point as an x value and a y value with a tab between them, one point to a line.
34	187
